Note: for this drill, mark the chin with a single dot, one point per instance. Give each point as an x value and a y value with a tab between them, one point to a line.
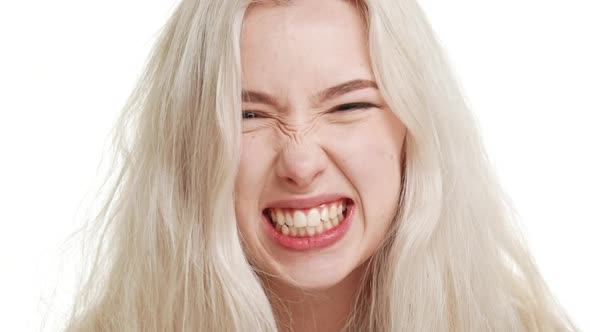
315	282
319	271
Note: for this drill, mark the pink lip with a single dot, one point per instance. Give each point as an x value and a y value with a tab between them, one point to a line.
305	203
322	240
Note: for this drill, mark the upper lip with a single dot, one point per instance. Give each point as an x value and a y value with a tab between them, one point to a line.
306	202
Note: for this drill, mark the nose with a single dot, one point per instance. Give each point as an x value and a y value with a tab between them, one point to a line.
299	166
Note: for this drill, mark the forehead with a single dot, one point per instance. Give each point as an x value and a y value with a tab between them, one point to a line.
318	41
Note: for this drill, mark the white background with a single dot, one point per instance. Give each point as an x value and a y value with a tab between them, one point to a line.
66	68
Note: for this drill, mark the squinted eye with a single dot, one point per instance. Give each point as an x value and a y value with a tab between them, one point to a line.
353	106
249	115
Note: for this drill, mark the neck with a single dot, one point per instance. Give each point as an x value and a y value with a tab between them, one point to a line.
325	310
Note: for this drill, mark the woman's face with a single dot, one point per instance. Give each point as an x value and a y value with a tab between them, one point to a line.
320	168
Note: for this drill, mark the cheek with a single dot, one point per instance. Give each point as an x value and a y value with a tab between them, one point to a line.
253	169
253	165
375	174
369	154
371	162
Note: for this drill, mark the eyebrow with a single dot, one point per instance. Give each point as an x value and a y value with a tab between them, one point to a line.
322	96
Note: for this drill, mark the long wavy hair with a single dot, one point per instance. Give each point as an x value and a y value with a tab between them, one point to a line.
167	256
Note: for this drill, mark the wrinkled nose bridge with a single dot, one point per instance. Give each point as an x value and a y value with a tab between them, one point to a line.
301	158
298	131
298	137
298	146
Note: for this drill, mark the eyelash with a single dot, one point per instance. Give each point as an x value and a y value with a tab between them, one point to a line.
342	108
353	106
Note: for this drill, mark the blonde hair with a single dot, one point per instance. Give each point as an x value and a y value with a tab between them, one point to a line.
168	255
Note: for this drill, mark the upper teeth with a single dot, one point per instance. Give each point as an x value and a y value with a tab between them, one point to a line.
311	217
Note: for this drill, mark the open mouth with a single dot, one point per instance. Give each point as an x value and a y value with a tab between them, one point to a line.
308	222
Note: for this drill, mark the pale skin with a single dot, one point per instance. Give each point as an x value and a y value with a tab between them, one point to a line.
301	138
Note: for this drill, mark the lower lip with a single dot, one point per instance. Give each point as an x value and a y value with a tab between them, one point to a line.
327	238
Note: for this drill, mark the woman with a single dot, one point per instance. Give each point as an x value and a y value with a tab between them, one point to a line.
352	193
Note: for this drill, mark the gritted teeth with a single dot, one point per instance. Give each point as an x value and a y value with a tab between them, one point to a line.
298	223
